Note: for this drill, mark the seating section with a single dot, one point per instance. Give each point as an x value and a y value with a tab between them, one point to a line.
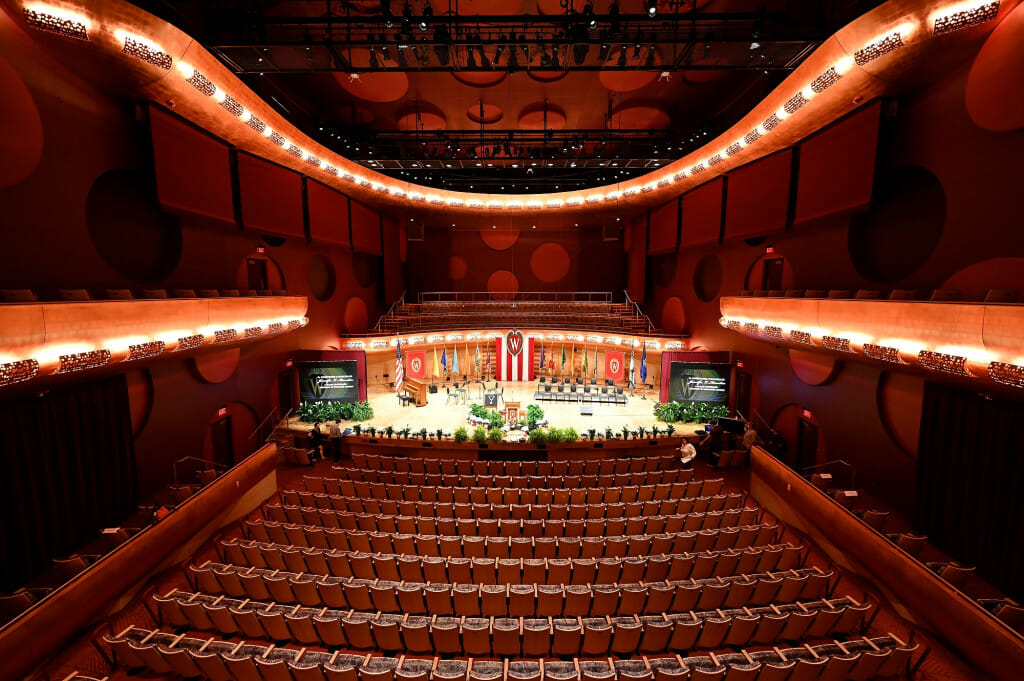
186	656
433	570
1001	295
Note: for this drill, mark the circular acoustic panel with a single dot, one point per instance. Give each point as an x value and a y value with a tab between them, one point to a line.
755	275
486	114
628	81
639	117
813	368
673	316
707	277
375	87
662	269
21	129
457	267
902	229
140	397
499	239
900	401
502	285
131	235
539	116
991	103
364	267
549	262
479	78
547	76
320	276
275	277
216	366
975	280
426	118
356	315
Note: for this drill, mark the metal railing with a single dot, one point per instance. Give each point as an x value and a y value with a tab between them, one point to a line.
391	311
844	474
515	296
639	313
197	465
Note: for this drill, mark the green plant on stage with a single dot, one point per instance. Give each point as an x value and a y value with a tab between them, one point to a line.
361	411
609	434
533	414
423	433
495	419
669	429
439	433
570	434
641	431
478	411
689	412
625	432
479	434
309	412
591	433
554	435
460	434
405	431
496	435
372	430
357	429
389	431
655	431
537	437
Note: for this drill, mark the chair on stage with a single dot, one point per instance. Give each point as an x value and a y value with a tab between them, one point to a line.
451	396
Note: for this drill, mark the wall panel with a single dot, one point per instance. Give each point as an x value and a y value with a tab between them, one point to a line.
328	214
758	198
702	214
271	197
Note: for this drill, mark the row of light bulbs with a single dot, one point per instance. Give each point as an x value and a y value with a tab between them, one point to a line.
948	359
949	19
75	357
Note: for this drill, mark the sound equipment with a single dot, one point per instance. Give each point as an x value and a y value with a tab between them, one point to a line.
586	410
491	400
731	425
432	389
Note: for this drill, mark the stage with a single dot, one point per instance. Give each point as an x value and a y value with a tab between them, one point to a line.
439	412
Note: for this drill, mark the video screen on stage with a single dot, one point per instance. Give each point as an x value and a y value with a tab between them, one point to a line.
699	382
336	381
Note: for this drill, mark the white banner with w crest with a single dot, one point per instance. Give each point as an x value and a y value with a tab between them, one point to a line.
514	357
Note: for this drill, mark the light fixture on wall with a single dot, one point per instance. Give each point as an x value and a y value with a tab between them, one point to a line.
883	353
58	21
145	350
80	361
964	16
224	335
878	48
1007	374
16	372
943	362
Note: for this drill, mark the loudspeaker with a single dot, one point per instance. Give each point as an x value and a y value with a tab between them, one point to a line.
491	400
731	425
432	389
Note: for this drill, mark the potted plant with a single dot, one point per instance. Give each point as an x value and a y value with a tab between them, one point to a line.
669	429
405	431
654	431
479	435
372	430
537	438
495	435
554	435
591	433
389	431
609	433
357	429
460	434
641	431
570	434
440	434
625	432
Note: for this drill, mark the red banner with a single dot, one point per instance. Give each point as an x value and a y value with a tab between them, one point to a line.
613	364
416	363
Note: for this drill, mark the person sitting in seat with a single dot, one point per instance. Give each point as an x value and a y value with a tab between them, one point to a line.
687	453
750	438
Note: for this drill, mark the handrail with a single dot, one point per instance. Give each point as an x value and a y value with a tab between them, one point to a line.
389	313
515	296
209	464
638	312
266	418
851	468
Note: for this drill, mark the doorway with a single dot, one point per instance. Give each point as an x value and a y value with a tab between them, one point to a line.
771	280
223	445
806	444
742	403
285	392
256	270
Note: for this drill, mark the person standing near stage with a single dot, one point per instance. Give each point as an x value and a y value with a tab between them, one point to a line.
334	431
316	442
750	438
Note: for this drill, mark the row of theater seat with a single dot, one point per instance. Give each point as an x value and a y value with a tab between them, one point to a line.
493	600
515	547
577	509
514	527
218	660
24	295
992	295
679	632
349	481
415	568
401	464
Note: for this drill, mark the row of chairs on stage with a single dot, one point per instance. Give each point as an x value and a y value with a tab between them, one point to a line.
494	546
484	570
218	660
476	636
569	393
561	495
356	482
403	464
519	600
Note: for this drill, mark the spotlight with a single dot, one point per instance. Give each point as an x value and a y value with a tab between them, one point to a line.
588	15
428	14
622	56
603	51
755	45
650	57
636	51
470	58
385	10
652	8
374	62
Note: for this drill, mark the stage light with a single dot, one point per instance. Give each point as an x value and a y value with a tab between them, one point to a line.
652	8
374	61
428	14
385	10
622	56
588	15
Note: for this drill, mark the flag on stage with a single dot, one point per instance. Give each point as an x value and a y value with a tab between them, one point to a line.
444	359
542	356
399	369
514	357
632	369
455	360
584	361
437	369
643	364
595	362
469	357
551	363
563	360
476	361
572	361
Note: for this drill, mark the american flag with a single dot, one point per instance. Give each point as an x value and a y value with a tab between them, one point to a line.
399	369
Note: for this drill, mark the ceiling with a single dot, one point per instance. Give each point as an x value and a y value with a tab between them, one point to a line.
511	96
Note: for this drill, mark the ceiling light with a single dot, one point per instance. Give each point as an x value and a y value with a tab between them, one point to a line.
652	8
428	13
588	15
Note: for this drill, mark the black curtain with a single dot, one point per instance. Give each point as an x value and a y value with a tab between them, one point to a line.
68	472
970	482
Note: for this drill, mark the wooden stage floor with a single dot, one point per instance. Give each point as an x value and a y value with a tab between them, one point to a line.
439	413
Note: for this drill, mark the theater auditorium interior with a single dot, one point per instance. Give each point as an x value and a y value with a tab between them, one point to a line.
511	340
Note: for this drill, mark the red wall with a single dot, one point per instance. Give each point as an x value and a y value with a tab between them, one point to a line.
758	198
271	197
702	214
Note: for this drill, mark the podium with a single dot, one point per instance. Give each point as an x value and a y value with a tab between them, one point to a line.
511	412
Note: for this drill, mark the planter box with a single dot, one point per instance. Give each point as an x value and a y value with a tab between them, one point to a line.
565	451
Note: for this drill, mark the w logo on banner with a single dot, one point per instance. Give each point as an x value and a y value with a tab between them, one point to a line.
514	341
